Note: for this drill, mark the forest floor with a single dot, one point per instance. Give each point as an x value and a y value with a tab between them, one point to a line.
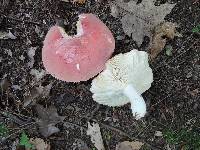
173	101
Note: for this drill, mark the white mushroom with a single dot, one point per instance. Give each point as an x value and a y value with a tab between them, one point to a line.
125	78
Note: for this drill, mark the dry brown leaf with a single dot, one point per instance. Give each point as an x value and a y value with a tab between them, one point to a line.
6	35
37	92
161	33
39	144
138	20
126	145
4	84
48	118
95	134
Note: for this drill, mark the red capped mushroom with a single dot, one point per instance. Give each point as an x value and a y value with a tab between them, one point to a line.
80	57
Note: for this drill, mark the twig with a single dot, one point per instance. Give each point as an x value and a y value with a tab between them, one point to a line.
23	21
161	100
73	124
12	117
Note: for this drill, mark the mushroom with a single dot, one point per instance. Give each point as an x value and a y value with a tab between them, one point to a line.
125	78
79	57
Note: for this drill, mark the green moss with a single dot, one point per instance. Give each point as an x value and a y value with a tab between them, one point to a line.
3	130
185	139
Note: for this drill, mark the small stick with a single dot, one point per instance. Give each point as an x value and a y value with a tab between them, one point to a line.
23	21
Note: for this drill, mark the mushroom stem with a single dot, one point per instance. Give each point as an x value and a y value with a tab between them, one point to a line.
138	104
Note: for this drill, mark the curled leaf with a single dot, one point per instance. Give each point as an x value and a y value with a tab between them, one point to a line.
48	118
161	33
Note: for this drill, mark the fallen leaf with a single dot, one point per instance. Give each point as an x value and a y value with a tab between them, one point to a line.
94	132
194	92
158	134
168	50
6	35
38	74
79	1
48	118
138	20
31	54
126	145
4	84
161	33
37	92
39	144
31	97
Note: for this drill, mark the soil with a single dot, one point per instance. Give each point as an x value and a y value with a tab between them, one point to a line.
173	99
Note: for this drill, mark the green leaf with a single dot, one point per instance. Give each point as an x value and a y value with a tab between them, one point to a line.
24	141
196	29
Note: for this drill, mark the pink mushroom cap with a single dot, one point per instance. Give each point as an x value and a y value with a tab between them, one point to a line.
79	57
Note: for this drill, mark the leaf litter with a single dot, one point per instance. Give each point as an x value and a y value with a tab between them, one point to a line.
7	35
37	92
33	143
162	32
94	132
138	20
39	144
126	145
47	119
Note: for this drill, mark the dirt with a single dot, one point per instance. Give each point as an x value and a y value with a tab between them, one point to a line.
173	99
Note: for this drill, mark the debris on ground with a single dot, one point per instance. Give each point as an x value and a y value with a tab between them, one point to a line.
35	93
161	33
158	134
80	144
94	132
168	50
39	144
126	145
75	1
4	84
172	101
38	74
47	119
138	20
31	54
7	35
